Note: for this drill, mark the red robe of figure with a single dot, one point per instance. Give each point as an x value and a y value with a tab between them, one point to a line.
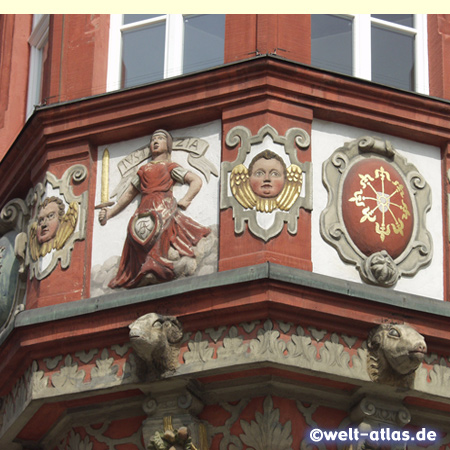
157	223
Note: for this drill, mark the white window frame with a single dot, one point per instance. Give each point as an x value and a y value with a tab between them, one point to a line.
37	41
362	49
173	54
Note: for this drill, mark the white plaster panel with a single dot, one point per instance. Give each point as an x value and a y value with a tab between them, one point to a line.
108	240
326	138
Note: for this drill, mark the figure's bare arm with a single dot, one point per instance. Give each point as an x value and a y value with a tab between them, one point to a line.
195	184
124	201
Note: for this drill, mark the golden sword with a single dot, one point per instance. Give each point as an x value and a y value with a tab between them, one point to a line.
104	196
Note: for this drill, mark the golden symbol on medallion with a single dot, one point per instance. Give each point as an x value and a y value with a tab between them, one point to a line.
389	201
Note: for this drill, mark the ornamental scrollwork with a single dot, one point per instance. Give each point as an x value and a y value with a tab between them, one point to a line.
266	185
375	217
58	219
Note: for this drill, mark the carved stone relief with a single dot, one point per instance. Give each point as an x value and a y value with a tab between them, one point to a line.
57	221
266	185
283	343
156	340
162	242
13	219
376	212
170	411
395	351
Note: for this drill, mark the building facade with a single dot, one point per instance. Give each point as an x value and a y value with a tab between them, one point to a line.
224	232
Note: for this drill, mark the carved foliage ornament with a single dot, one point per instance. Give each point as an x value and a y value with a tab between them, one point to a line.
376	212
266	185
58	221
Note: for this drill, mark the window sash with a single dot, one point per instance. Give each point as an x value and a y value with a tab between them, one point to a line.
37	41
362	51
173	52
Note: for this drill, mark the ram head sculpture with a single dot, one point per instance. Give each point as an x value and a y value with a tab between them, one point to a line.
395	351
156	340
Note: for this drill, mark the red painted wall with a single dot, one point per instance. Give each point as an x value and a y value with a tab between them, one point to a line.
14	33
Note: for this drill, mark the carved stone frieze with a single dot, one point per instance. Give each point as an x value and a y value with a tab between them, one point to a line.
58	220
266	203
376	212
267	341
95	436
338	356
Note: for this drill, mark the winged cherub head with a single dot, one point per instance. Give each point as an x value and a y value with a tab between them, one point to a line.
267	184
267	174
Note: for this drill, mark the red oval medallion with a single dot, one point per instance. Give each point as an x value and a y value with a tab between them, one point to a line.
377	208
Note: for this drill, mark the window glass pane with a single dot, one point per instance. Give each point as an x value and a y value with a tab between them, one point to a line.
401	19
204	37
131	18
331	43
143	55
392	58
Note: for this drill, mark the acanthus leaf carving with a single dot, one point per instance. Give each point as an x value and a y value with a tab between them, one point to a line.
232	345
267	431
69	377
199	350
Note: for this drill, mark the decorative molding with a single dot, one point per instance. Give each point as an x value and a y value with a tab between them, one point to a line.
267	342
378	411
74	441
295	138
52	377
267	431
337	356
377	266
77	173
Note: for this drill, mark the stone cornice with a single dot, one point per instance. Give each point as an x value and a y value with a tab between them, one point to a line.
267	290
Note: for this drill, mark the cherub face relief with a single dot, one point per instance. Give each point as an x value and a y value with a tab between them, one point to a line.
267	178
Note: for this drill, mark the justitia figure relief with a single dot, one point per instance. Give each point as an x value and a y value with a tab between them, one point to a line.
157	223
267	184
53	227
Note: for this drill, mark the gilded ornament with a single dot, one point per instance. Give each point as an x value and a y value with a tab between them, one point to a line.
53	227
